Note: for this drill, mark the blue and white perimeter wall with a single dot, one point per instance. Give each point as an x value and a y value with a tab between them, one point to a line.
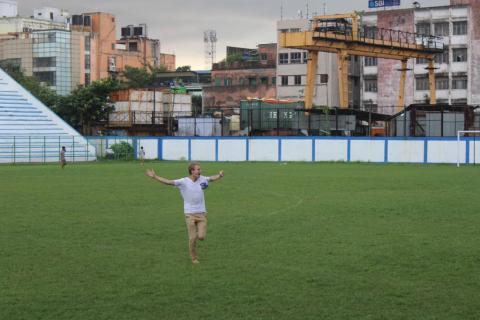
310	149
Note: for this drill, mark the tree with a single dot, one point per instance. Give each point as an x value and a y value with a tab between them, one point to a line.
43	93
234	58
141	77
88	105
197	104
184	68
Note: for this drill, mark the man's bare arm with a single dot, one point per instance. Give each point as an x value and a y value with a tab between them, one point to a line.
217	176
151	173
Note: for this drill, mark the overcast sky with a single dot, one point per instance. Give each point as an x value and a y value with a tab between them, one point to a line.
179	24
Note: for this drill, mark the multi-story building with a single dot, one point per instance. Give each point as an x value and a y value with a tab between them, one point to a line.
8	8
457	68
168	61
253	76
65	51
292	72
134	49
57	57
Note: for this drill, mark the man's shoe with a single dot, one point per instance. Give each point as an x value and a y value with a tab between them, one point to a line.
195	261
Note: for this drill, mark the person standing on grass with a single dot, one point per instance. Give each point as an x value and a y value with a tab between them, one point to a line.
191	188
63	162
141	154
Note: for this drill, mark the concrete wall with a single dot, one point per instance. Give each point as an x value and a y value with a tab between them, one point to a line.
308	149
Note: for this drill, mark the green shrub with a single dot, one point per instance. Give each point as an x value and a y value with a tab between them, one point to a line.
122	150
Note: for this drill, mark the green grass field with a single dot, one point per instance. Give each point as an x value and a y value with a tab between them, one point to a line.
284	241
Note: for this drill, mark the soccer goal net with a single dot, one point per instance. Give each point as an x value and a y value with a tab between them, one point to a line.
470	138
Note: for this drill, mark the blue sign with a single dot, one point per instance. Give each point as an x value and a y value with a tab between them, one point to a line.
383	3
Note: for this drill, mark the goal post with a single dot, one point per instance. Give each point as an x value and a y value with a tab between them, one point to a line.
462	133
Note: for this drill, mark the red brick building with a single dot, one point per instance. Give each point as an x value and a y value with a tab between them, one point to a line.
254	76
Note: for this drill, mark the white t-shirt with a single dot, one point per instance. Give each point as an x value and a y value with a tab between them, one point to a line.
192	193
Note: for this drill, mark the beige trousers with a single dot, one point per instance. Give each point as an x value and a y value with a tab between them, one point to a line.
197	230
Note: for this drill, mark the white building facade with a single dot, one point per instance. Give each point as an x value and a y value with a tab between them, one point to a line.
8	8
457	69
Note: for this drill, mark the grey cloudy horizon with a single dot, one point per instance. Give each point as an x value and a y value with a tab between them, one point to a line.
179	25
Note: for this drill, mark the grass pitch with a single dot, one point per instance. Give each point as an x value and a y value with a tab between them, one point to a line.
284	241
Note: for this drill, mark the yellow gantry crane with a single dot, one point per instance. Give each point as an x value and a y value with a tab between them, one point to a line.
342	34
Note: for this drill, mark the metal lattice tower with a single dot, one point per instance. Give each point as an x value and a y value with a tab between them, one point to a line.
210	41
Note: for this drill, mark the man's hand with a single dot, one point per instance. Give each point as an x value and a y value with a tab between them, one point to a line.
217	176
150	173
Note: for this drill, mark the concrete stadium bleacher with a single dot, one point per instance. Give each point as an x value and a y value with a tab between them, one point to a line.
31	132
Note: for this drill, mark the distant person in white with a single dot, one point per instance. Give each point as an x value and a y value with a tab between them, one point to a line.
191	188
63	161
141	155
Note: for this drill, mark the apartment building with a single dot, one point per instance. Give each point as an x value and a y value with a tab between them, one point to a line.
457	69
251	76
65	51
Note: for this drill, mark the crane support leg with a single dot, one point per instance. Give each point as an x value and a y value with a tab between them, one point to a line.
311	76
401	95
343	77
431	81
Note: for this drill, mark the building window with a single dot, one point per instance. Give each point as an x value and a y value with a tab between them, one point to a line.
324	78
49	37
274	80
442	29
423	28
87	79
305	57
264	80
370	61
284	80
44	62
14	62
263	57
46	76
297	80
460	27
227	82
87	43
421	83
132	46
371	85
87	62
459	54
295	57
459	101
252	81
442	57
421	61
283	58
441	83
459	82
217	82
283	30
295	30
